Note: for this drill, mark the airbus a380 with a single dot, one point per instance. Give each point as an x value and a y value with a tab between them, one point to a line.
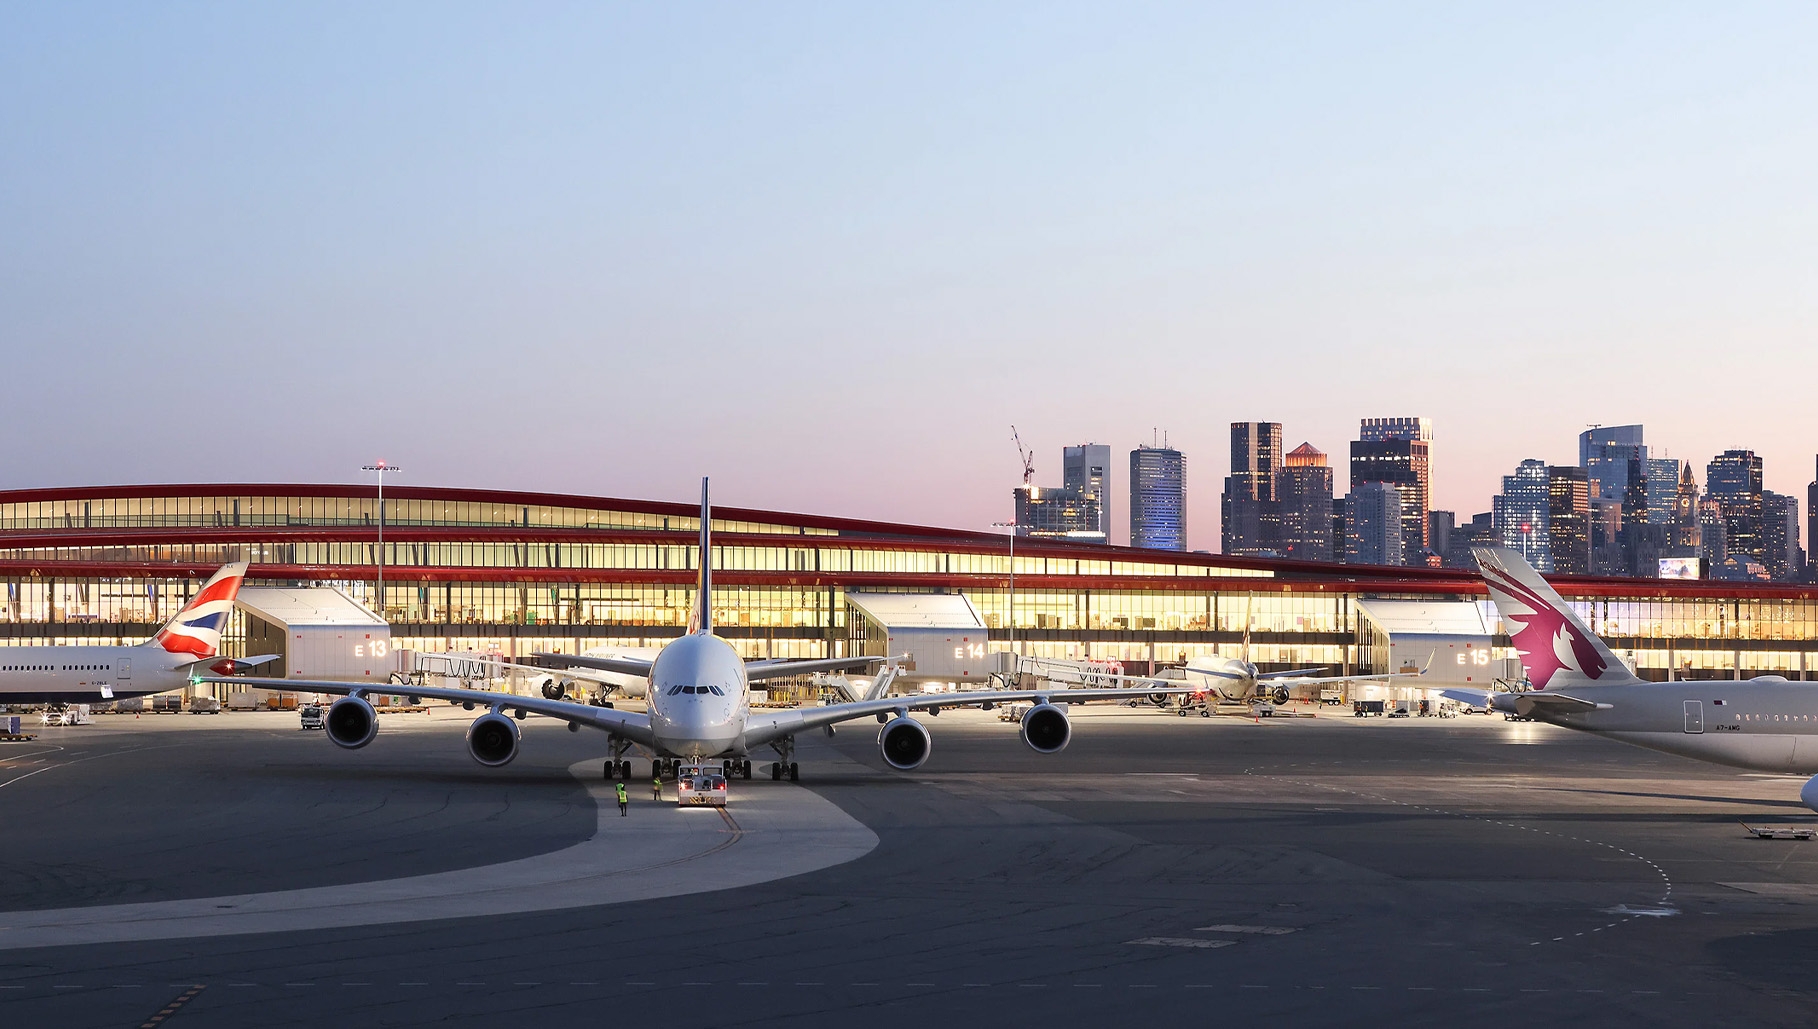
700	706
167	661
1766	723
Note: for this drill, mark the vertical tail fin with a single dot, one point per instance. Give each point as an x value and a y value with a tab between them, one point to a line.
701	619
1558	650
196	630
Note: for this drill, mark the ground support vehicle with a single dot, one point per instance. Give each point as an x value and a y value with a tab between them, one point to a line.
700	786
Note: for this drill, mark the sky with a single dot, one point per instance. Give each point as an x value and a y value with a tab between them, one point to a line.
829	253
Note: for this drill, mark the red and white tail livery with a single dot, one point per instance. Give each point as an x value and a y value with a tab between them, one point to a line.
196	630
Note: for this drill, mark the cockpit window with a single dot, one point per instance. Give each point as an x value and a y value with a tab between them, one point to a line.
673	690
716	691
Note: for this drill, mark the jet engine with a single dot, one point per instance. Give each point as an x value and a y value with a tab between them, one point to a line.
556	689
351	722
492	739
1809	793
905	744
1046	729
1280	695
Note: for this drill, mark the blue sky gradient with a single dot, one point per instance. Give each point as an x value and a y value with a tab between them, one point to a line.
828	253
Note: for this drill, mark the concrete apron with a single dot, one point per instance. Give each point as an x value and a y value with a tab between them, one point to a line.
770	832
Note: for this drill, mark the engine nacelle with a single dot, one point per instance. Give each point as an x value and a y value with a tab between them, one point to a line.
905	744
492	739
1808	794
351	722
1046	729
1280	695
555	689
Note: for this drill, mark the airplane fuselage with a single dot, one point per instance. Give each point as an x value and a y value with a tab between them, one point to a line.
87	674
1763	725
699	698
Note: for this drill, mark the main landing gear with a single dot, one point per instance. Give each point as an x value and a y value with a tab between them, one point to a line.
785	749
740	767
618	766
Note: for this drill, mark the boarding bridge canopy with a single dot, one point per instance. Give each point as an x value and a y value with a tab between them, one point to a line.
944	636
319	632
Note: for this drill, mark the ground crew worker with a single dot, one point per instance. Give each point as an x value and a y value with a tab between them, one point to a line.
656	787
623	800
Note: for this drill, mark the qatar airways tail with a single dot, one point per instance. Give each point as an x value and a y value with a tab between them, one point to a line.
91	674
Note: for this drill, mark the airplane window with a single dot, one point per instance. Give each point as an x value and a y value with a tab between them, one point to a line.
673	690
716	691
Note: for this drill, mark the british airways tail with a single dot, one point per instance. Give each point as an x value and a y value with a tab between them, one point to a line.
701	618
1558	650
196	630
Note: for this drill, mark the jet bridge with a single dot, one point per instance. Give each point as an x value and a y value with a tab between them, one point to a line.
318	632
943	635
1452	640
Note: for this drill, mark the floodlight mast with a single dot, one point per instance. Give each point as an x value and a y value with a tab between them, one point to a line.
381	467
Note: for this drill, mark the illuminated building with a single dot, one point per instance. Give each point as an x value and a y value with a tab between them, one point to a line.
1780	536
1158	499
1086	470
1569	519
520	573
1522	513
1733	481
1399	451
1373	525
1247	507
1303	501
1057	513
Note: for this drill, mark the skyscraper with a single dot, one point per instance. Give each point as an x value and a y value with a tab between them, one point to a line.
1521	513
1780	535
1662	488
1373	525
1247	511
1811	529
1057	514
1086	470
1733	480
1400	450
1569	519
1158	499
1303	501
1609	455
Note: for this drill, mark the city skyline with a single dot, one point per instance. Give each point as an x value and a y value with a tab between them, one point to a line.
827	257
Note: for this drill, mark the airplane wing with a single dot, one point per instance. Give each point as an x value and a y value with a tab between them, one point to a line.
762	727
777	669
1292	673
620	665
632	725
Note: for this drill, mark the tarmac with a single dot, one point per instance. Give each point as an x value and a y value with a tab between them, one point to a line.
233	870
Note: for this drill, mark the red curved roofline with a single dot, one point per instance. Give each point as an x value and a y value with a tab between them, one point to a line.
1287	575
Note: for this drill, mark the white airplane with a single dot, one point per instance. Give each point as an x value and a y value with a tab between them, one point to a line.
700	707
626	670
92	674
1766	723
1237	680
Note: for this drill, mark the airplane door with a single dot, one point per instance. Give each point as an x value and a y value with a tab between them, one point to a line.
126	668
1694	716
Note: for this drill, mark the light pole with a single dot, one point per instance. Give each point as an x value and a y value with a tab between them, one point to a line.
1012	526
381	467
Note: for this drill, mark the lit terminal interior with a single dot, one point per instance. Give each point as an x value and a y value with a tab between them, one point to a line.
517	573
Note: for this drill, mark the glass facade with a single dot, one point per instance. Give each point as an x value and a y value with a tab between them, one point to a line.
518	573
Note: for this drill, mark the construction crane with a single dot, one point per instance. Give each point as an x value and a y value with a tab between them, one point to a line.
1028	458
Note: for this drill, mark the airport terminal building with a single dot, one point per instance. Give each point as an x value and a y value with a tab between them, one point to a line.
516	573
